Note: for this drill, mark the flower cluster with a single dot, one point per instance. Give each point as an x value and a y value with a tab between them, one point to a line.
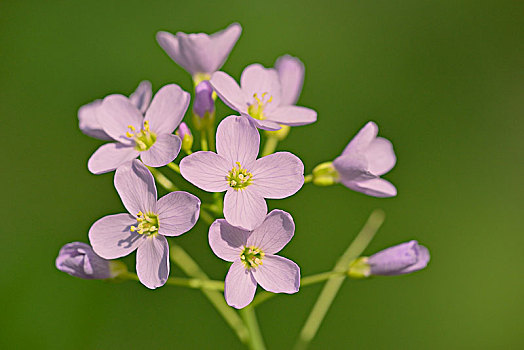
142	126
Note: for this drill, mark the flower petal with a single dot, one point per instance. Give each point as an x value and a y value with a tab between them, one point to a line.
88	121
110	156
278	175
352	167
227	241
206	170
422	260
237	140
136	187
177	213
362	139
116	114
274	233
152	263
164	150
239	286
229	92
78	259
277	275
223	42
258	80
111	236
293	115
265	124
167	109
142	96
374	187
380	155
244	208
291	73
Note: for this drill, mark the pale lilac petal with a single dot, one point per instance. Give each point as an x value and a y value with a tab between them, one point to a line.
196	48
362	139
203	102
265	124
292	115
380	155
422	260
227	241
78	259
400	259
223	42
278	175
244	208
116	114
142	96
274	233
152	262
177	213
291	73
239	286
237	140
136	187
88	121
111	236
258	80
352	167
164	150
374	187
277	275
229	92
110	156
167	109
171	46
206	170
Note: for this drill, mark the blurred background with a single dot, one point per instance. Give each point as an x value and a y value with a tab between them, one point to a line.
443	80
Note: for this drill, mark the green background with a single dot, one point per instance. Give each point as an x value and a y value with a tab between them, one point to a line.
444	82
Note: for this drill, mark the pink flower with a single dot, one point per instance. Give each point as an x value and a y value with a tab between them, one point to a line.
259	96
145	227
150	137
236	169
200	53
78	259
291	73
364	159
253	256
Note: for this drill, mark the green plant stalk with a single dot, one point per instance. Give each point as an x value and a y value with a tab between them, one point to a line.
250	318
269	146
174	167
184	282
163	180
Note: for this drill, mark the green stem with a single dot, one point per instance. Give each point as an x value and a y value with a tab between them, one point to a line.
191	268
211	137
204	215
184	282
163	180
308	178
203	140
270	146
250	318
334	283
174	167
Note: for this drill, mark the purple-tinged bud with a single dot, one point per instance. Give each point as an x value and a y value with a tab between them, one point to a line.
204	102
400	259
187	138
78	259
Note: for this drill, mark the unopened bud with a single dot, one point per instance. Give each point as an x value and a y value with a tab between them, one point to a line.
187	138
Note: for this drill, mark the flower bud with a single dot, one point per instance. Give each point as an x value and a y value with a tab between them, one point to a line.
325	174
204	102
187	138
398	260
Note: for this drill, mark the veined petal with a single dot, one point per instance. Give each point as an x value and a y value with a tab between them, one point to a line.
244	208
362	139
206	170
422	260
258	80
177	213
291	73
111	236
277	275
164	150
374	187
229	92
239	286
227	241
152	262
265	124
142	96
380	155
278	175
293	115
274	233
237	140
167	109
110	156
116	114
136	187
88	121
223	42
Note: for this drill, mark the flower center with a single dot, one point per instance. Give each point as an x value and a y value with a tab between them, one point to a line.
144	138
256	110
239	178
147	224
251	257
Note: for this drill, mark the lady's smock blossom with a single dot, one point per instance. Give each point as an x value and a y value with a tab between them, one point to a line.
260	97
151	136
78	259
291	74
145	226
253	256
200	54
364	159
87	118
236	169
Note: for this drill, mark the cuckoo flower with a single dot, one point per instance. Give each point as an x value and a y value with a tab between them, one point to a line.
87	117
364	159
200	54
253	256
260	97
146	225
236	169
291	74
150	136
78	259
